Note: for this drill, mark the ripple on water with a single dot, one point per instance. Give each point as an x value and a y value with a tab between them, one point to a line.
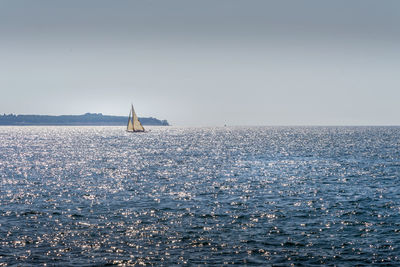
260	195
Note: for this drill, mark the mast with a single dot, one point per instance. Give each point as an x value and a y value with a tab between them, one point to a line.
129	119
133	117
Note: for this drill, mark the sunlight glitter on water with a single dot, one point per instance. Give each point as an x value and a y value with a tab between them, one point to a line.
261	195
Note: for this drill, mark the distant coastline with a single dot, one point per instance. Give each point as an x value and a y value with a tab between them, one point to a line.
93	119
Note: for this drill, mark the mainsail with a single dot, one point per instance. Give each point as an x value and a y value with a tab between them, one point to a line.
134	124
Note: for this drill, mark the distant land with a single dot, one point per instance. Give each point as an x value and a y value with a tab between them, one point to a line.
94	119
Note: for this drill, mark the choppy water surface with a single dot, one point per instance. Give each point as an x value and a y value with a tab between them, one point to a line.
98	195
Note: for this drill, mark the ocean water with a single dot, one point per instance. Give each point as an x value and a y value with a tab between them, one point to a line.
87	196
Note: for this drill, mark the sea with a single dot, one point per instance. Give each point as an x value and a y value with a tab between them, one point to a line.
219	196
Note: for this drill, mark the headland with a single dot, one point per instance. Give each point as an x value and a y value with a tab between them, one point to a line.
94	119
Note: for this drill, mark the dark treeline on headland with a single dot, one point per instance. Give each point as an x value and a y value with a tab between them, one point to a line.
85	119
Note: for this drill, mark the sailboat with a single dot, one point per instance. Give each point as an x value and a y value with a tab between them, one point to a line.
134	124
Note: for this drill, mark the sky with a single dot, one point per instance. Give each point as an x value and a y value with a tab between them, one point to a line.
204	63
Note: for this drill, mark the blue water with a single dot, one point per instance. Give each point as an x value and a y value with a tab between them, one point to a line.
83	196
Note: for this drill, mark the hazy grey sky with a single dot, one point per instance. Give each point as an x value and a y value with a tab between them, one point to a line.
205	62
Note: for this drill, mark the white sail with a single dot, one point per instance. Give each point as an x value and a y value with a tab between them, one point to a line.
137	126
130	126
134	124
